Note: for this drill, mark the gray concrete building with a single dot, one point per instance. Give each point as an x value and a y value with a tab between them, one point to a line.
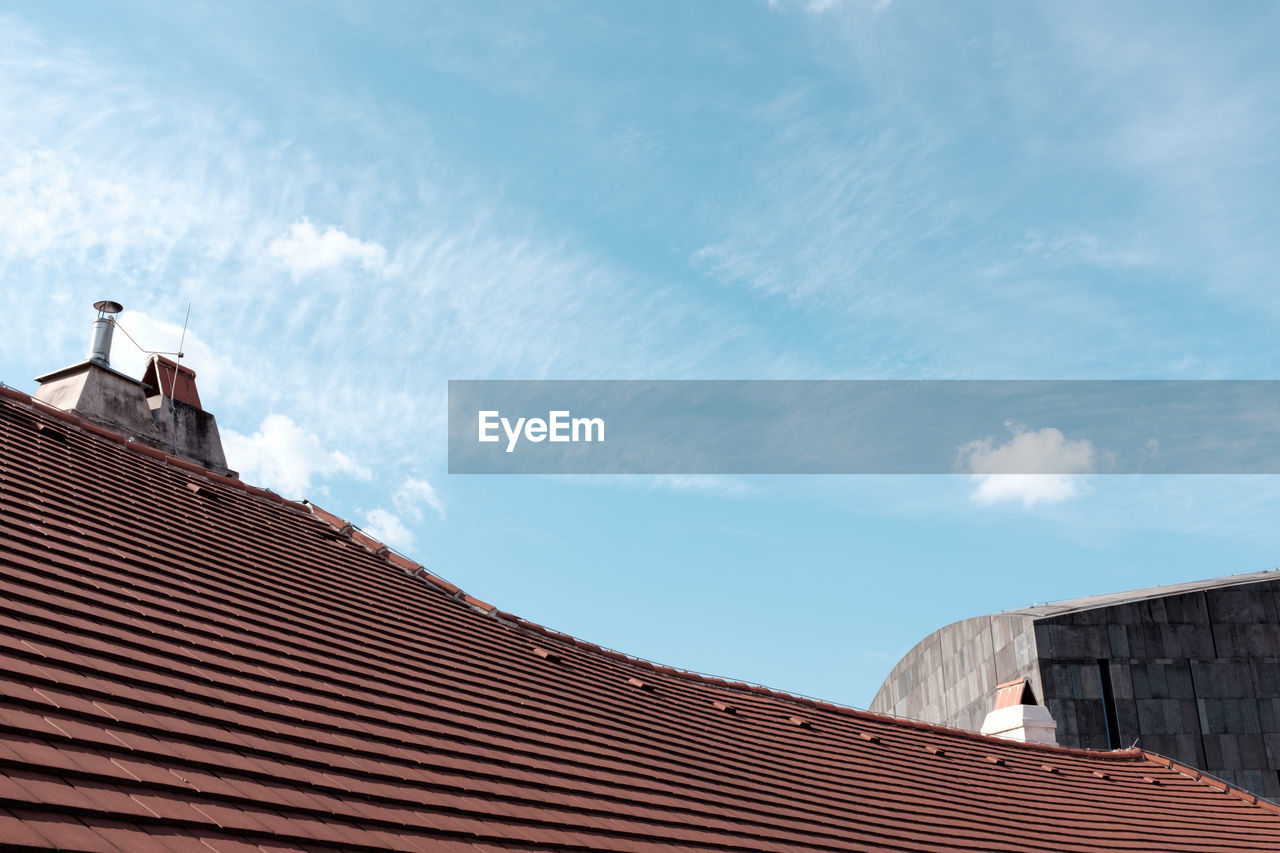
1191	671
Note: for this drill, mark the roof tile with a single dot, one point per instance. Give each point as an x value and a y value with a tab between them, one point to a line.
19	832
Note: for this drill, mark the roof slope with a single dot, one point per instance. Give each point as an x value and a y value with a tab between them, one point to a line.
185	659
1110	599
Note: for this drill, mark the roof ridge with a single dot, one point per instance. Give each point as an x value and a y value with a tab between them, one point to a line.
451	590
88	427
1065	606
1209	779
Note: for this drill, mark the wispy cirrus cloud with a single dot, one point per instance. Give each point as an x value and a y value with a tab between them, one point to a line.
1191	134
173	195
833	210
706	484
818	7
217	210
1067	165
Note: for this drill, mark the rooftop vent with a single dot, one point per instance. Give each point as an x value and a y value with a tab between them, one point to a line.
100	348
167	378
162	410
1017	715
1016	692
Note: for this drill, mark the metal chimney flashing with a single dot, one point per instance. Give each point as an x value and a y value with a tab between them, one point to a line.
83	366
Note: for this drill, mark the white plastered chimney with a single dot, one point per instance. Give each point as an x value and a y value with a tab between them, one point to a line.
162	410
1017	715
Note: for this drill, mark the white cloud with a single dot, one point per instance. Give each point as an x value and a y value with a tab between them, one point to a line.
1029	489
1034	467
1043	451
286	458
413	494
306	250
387	528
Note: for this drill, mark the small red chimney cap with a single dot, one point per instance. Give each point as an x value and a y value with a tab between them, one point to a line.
169	379
1016	692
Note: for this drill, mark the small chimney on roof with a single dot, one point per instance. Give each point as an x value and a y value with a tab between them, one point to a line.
187	430
100	347
1017	715
162	411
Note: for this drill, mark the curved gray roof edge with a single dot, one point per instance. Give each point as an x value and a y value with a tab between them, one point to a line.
1110	599
1070	606
880	702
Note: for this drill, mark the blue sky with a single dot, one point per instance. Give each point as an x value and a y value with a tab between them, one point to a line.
362	201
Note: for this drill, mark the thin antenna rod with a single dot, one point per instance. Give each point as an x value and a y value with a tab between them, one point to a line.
173	383
182	340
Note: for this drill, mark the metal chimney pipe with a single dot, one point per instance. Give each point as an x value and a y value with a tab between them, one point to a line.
100	346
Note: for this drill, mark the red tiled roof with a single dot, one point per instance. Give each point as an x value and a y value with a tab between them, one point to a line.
217	668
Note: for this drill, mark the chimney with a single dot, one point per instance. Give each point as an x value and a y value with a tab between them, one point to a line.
100	348
162	411
187	430
1017	715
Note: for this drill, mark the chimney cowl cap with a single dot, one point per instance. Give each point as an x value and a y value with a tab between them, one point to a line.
108	306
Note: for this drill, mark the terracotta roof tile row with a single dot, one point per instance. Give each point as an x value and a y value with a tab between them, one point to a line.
216	667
